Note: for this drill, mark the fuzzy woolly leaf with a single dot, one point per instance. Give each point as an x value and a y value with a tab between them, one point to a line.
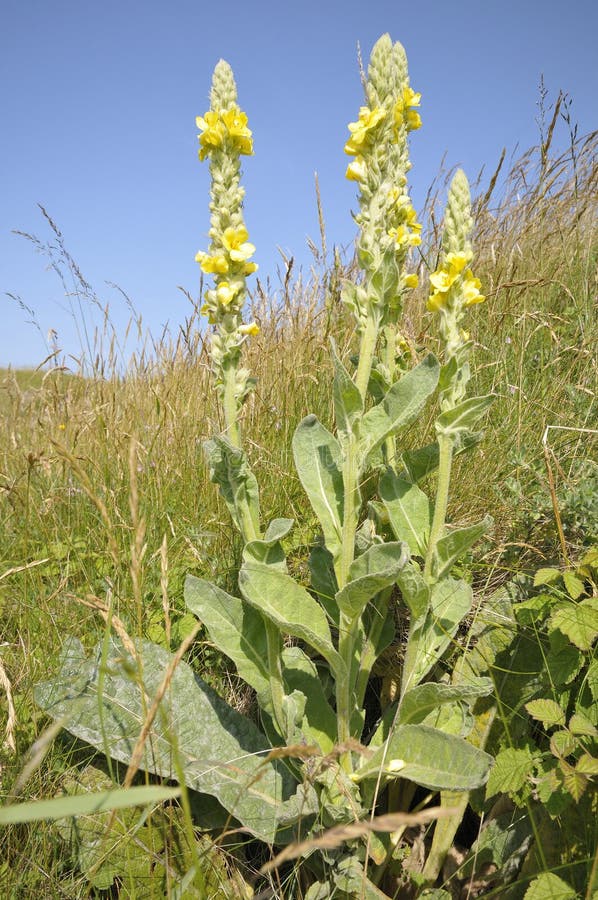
409	511
417	703
230	470
319	465
235	627
401	405
278	597
300	674
221	752
369	574
429	757
348	404
454	544
463	416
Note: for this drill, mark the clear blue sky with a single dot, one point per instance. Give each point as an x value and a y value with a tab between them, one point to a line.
98	104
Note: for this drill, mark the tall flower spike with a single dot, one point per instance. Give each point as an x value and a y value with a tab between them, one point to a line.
388	224
225	137
454	287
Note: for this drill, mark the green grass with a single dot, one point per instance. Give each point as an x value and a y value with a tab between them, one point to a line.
104	485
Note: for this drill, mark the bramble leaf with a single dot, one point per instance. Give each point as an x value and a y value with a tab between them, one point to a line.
549	886
579	621
511	771
546	711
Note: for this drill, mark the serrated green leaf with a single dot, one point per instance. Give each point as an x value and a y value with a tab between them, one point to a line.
230	470
429	757
464	416
318	462
454	544
370	573
579	621
221	752
348	404
587	765
511	771
85	804
289	606
546	711
574	585
549	886
580	724
401	405
562	744
546	576
409	511
417	703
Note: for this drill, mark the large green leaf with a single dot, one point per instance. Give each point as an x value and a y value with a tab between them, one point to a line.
420	463
369	574
429	636
319	465
323	580
409	511
230	470
429	757
463	416
290	607
236	629
85	804
454	544
418	702
348	404
300	674
401	405
221	752
269	549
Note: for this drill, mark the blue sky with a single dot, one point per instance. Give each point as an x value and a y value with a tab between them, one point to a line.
98	104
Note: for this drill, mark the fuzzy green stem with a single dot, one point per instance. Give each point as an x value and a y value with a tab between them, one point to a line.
369	338
445	445
390	336
230	405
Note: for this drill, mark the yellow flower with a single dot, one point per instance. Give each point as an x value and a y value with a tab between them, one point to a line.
252	328
236	243
411	281
213	132
249	268
360	130
235	122
437	301
356	170
212	264
226	292
404	111
471	289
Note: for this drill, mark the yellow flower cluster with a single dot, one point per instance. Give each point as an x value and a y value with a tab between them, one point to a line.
405	112
408	232
219	127
235	249
454	282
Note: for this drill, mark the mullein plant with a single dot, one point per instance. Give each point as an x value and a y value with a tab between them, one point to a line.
312	763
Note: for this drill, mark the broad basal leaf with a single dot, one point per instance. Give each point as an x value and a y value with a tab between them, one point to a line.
401	405
323	580
221	752
408	510
369	574
319	466
300	674
429	757
289	606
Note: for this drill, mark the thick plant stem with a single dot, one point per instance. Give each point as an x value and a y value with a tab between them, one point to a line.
230	406
445	445
367	348
390	336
